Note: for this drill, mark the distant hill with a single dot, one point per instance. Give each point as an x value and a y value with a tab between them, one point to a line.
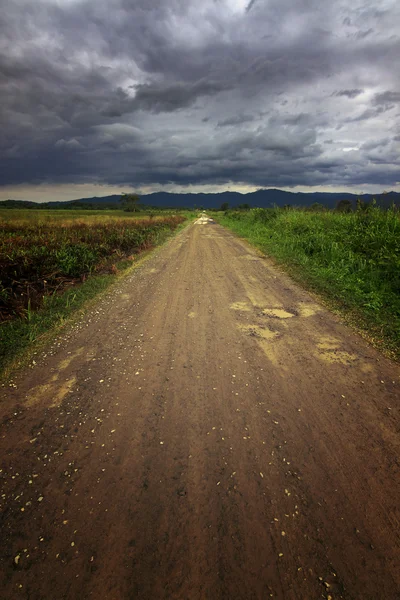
17	204
260	198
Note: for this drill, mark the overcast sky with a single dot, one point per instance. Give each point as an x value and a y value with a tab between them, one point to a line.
99	96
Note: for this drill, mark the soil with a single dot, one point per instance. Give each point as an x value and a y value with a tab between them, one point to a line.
207	431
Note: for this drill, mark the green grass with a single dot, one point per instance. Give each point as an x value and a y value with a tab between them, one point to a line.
51	268
352	260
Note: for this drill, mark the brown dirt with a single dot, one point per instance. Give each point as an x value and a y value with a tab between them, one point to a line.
209	431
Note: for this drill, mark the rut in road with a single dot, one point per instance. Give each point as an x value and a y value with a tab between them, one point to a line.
208	431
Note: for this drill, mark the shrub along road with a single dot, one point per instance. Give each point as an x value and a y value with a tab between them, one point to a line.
209	431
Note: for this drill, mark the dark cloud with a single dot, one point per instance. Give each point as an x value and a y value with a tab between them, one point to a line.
377	144
349	93
387	97
236	120
171	97
360	35
182	92
368	114
250	5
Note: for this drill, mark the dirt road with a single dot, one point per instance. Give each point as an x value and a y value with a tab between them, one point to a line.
209	431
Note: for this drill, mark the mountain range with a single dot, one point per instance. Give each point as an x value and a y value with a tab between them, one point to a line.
260	198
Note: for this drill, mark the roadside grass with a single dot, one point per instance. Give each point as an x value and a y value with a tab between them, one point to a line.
50	272
352	260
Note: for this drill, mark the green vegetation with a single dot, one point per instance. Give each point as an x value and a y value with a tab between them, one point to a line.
50	266
352	259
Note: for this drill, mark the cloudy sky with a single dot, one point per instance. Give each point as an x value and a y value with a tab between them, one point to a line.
100	96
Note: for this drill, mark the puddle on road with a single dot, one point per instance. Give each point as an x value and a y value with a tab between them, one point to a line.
240	306
329	351
272	354
41	390
367	368
203	220
250	257
328	343
268	341
308	309
338	356
62	392
277	313
67	361
54	391
260	332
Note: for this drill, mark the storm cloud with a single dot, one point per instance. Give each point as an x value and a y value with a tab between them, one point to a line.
176	92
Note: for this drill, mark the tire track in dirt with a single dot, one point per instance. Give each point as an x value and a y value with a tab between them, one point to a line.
207	431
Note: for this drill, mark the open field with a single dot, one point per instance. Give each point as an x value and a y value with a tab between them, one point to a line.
61	216
352	259
45	257
207	431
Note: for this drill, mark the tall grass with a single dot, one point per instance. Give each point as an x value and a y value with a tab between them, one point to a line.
354	259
